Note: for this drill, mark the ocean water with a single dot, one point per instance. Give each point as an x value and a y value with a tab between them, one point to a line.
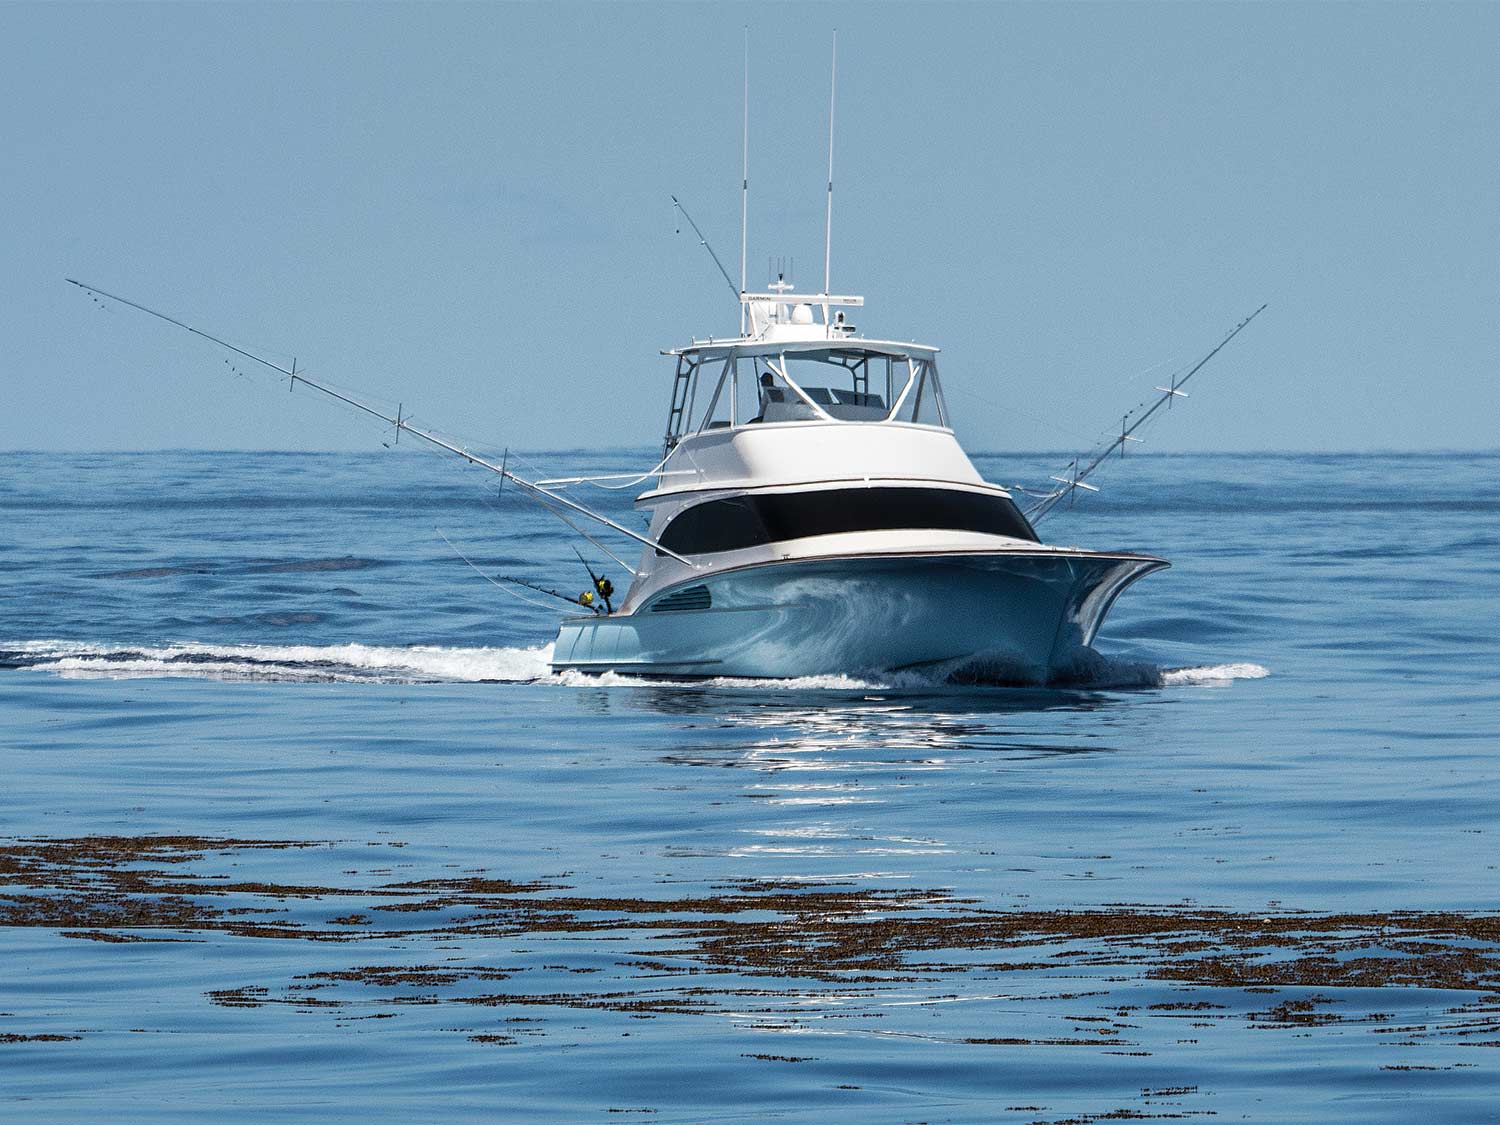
296	823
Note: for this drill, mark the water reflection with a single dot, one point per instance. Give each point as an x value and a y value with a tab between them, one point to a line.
878	735
756	697
831	775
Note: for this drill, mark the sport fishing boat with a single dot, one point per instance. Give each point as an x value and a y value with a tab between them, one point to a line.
814	513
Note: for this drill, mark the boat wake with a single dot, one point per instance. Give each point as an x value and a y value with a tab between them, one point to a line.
351	663
358	663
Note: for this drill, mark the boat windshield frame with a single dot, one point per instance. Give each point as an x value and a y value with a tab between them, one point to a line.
776	373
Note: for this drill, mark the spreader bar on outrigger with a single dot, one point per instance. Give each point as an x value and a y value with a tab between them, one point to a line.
528	488
1069	485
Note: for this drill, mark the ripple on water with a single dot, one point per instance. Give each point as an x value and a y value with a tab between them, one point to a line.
299	822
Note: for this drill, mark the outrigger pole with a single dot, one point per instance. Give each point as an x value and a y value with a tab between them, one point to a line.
703	242
535	492
1073	481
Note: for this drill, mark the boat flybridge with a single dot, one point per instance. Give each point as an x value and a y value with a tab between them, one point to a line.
813	513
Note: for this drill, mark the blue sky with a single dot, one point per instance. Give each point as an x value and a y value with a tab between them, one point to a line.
465	208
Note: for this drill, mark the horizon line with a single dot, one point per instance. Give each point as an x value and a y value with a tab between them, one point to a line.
1057	452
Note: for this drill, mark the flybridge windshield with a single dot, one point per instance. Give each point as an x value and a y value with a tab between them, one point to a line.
727	387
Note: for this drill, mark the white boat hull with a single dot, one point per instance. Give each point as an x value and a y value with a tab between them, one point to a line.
1022	615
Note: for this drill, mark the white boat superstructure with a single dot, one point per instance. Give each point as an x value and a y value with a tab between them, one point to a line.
814	513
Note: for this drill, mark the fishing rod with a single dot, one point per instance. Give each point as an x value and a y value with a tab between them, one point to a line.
1073	481
574	602
400	422
506	578
603	586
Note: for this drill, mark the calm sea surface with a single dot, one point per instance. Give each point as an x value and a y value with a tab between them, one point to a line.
295	823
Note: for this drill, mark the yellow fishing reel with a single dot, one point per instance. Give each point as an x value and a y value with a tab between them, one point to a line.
603	590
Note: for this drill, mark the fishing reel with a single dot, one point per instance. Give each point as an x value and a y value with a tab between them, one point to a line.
604	589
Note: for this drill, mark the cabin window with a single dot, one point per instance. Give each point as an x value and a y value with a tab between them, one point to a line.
719	525
737	522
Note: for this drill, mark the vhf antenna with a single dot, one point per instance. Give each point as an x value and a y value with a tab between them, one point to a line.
745	182
828	224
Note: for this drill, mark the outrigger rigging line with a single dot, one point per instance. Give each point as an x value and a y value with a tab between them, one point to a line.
1073	481
400	422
